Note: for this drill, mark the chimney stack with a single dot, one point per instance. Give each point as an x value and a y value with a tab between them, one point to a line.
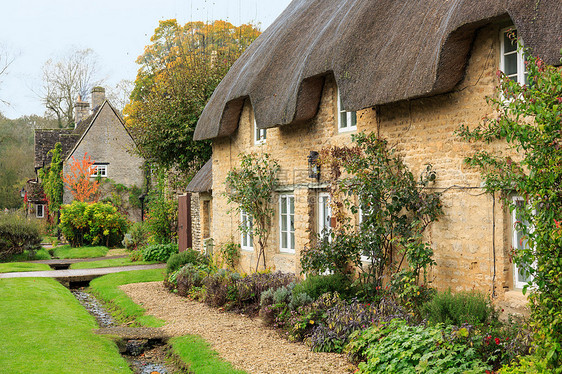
98	96
81	110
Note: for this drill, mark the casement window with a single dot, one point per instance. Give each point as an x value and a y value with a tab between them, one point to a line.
287	223
259	134
521	275
247	239
347	121
512	61
99	170
324	215
40	211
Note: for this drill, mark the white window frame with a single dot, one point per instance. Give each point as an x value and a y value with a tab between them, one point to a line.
99	170
345	126
324	223
521	74
516	245
260	135
246	237
289	219
364	258
42	215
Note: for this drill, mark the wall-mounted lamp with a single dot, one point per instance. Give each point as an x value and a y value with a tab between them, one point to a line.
22	192
313	166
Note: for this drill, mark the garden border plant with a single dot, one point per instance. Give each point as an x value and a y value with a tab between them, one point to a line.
370	179
529	120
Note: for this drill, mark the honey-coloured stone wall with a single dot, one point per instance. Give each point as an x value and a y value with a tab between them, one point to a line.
472	240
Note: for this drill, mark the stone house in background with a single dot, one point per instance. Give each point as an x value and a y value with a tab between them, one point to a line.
101	133
410	71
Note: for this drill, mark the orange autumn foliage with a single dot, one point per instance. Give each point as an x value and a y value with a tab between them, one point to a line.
79	181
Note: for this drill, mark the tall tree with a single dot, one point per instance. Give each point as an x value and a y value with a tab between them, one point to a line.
66	79
178	73
5	61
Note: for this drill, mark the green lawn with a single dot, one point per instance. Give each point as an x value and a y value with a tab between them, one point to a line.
198	355
11	267
45	330
66	251
120	305
41	254
109	263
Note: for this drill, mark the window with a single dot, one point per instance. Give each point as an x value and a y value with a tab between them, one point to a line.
247	239
39	210
259	134
362	216
324	215
512	61
347	121
521	276
287	223
99	170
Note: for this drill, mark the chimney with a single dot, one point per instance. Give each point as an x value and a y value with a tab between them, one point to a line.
98	96
81	110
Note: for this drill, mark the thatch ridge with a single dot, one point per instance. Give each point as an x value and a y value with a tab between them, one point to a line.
378	52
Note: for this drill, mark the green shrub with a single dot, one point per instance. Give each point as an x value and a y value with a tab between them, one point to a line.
317	285
136	237
455	309
159	252
397	347
17	235
189	256
92	224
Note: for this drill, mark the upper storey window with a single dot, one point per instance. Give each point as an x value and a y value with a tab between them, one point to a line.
512	60
259	134
347	121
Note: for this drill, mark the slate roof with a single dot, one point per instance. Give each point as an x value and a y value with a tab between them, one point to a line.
45	140
379	51
203	180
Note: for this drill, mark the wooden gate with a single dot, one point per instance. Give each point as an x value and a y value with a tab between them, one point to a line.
184	222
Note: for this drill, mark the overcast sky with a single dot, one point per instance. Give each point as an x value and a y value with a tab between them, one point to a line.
32	31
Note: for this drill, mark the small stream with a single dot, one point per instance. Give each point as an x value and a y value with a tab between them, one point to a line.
144	356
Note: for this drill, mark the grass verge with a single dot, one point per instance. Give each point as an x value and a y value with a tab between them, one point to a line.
200	358
41	254
109	263
66	251
12	267
118	303
45	330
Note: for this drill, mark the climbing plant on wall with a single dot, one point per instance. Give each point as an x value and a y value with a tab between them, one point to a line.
529	120
51	180
251	187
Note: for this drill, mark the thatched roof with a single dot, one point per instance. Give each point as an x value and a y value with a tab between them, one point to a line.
203	180
378	51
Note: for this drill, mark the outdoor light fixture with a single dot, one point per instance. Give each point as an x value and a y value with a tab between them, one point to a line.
22	192
313	166
141	199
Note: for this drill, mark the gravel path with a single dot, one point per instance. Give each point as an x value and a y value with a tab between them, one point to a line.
244	342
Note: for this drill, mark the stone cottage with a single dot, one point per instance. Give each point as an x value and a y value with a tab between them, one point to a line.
100	132
410	71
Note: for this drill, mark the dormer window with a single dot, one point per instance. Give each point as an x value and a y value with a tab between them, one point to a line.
512	60
347	121
259	134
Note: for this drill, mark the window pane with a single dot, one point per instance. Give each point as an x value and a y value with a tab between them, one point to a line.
292	205
292	240
343	120
353	119
283	222
283	205
510	64
283	240
509	45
